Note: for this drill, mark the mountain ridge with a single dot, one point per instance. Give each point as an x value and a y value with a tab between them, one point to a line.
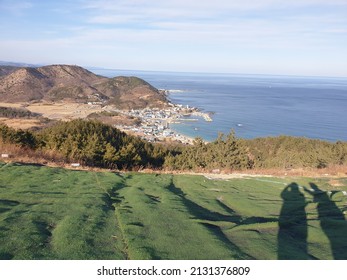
70	82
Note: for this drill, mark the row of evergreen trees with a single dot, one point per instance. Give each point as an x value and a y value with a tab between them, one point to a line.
8	112
90	143
295	152
226	152
95	144
22	138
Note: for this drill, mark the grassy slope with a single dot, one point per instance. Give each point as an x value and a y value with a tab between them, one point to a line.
158	224
50	213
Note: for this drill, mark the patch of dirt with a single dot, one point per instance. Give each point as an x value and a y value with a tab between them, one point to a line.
336	183
12	105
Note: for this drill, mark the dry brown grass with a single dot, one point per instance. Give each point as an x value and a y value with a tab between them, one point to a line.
63	110
26	155
22	123
12	105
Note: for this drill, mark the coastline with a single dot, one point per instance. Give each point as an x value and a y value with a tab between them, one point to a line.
238	102
206	116
155	124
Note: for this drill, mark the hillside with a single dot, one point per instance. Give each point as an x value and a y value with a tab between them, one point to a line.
96	144
74	83
54	213
5	70
12	113
119	89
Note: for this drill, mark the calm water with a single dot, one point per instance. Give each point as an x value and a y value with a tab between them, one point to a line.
256	105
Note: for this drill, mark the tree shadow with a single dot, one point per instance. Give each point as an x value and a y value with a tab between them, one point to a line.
332	222
292	234
208	218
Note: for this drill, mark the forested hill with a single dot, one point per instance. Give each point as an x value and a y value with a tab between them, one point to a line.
74	83
95	144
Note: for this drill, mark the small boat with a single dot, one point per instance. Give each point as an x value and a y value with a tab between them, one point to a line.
239	124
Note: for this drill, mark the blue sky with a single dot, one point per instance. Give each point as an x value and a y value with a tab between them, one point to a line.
297	37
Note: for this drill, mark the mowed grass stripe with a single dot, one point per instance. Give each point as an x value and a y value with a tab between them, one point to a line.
158	224
57	214
255	206
53	213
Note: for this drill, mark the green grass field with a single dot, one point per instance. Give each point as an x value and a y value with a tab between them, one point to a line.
54	213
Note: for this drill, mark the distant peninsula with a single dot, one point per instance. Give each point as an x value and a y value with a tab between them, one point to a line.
76	84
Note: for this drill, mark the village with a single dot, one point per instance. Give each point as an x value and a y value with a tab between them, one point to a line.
155	122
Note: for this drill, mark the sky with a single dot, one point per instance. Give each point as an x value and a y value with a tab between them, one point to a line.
285	37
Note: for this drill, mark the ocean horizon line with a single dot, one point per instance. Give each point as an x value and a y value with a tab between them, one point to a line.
216	73
226	73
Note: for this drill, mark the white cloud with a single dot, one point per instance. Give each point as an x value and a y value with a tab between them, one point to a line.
15	7
198	7
216	19
161	34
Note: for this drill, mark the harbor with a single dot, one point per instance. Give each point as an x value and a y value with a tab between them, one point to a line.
155	122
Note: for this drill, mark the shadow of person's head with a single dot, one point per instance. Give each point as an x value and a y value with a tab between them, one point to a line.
291	192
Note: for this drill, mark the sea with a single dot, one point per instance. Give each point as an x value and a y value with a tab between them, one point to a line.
254	105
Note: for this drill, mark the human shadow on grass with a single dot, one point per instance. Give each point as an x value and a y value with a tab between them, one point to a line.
292	234
332	221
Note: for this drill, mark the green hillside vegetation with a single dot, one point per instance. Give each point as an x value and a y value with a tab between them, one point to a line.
129	82
95	144
131	93
54	213
294	152
21	138
76	93
15	113
226	152
102	114
90	143
112	118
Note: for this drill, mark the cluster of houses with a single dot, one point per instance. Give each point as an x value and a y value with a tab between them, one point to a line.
155	123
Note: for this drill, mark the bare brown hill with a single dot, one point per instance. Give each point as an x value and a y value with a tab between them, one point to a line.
5	70
131	93
74	83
